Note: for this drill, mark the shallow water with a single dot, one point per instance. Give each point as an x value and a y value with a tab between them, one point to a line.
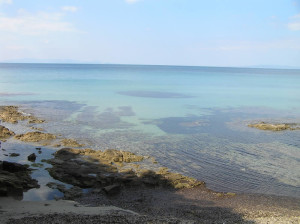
192	119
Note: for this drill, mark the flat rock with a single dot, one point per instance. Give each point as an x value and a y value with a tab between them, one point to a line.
70	143
87	168
275	126
36	137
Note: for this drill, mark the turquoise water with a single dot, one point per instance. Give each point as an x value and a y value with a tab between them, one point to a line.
192	119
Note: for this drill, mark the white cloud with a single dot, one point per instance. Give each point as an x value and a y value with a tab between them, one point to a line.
5	2
70	8
295	26
34	24
296	16
132	1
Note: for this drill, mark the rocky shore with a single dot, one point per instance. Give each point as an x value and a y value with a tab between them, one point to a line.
111	170
121	186
275	126
15	179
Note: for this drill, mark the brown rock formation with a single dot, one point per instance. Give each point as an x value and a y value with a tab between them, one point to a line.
11	114
89	168
275	126
36	137
5	133
70	143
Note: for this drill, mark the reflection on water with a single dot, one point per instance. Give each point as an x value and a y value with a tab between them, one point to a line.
39	173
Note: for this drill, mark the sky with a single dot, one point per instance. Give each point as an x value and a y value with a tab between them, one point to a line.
234	33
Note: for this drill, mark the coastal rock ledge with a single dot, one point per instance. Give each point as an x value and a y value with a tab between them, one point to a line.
275	126
111	169
12	115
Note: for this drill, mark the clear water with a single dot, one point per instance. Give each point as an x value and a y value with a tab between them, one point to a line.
192	119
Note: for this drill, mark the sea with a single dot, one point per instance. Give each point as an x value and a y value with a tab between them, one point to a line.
193	120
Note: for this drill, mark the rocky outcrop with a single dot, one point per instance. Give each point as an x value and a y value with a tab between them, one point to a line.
11	114
275	126
87	168
69	143
36	136
31	157
15	179
5	133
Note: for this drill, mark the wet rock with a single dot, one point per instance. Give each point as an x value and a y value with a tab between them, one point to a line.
36	136
70	143
179	181
39	165
34	120
5	133
38	129
112	189
69	193
14	154
89	168
275	126
114	156
39	150
15	179
13	167
31	157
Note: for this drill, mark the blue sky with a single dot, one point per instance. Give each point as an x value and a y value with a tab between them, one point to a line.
173	32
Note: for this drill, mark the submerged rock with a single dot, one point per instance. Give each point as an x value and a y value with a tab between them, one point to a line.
15	179
36	136
69	193
5	133
275	126
39	165
14	154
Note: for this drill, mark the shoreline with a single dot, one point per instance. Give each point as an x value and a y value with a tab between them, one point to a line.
156	203
155	206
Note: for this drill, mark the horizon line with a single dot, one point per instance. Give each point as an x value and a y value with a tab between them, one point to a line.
163	65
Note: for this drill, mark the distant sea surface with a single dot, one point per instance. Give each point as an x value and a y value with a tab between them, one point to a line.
191	119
